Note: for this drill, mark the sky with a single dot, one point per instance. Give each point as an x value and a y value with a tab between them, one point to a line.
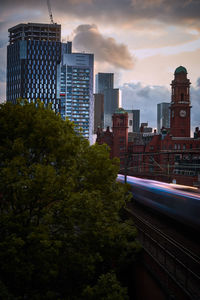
141	41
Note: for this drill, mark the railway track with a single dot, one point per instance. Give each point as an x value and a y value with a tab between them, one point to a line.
180	263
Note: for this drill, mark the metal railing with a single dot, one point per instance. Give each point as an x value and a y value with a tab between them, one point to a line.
180	264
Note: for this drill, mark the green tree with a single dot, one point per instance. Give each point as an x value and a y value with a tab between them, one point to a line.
61	233
107	288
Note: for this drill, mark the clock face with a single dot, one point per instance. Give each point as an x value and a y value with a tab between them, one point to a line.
182	113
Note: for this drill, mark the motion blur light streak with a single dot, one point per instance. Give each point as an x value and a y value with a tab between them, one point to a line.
174	188
167	199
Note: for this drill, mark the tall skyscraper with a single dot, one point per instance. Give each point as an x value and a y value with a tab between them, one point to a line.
75	90
112	97
112	101
133	120
40	66
98	111
104	81
163	116
33	55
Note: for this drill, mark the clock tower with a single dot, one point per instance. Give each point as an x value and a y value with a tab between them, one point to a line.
120	133
180	104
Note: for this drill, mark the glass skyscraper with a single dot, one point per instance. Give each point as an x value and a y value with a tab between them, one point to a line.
98	112
33	55
112	101
112	97
133	120
39	66
163	116
104	81
76	89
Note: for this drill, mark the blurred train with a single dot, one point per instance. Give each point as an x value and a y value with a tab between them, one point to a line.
175	201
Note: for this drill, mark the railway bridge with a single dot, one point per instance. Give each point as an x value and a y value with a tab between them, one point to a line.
170	257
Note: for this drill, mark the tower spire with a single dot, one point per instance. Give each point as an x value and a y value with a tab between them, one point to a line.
180	104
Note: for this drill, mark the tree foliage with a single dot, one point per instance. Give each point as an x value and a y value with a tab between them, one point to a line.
61	235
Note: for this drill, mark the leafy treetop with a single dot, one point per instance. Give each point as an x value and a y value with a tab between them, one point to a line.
61	235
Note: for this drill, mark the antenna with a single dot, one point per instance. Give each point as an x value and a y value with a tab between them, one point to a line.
50	12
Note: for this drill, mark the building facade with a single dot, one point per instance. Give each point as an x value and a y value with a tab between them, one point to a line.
112	97
133	120
98	111
163	116
144	128
111	103
39	66
103	81
117	139
75	89
180	104
33	55
172	155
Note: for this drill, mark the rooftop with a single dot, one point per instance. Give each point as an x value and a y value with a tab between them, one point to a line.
180	69
35	31
120	110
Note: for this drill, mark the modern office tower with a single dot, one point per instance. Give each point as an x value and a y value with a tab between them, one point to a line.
133	120
163	116
33	54
76	89
98	111
136	120
112	101
35	70
112	97
104	81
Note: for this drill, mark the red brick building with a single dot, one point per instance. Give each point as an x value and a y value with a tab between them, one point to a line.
170	156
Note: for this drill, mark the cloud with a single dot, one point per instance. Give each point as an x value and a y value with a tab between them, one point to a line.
3	43
198	84
159	69
146	98
129	11
195	101
186	12
2	75
106	49
144	92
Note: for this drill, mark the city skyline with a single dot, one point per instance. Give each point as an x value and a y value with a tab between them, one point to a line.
149	39
39	66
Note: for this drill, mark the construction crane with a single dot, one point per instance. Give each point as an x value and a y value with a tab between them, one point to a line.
50	12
